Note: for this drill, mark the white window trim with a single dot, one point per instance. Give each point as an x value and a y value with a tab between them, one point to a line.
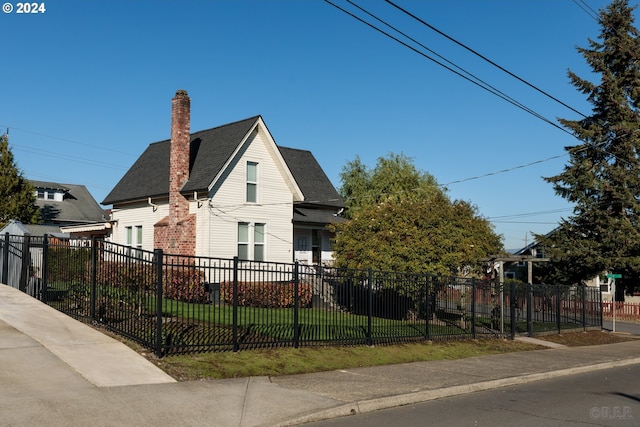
251	242
133	236
255	183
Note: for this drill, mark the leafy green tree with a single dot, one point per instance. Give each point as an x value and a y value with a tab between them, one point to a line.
401	220
17	195
602	177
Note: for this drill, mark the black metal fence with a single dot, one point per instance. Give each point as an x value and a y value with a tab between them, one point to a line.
174	304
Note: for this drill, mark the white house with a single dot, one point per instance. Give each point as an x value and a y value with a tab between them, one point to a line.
224	192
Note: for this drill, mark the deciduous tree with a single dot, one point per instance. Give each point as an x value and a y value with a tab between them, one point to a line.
401	220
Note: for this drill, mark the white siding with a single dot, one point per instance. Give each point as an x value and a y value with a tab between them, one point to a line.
218	222
135	214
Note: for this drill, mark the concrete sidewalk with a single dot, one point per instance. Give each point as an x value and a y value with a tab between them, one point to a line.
56	371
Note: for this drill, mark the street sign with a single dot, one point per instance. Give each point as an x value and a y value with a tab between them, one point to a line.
614	276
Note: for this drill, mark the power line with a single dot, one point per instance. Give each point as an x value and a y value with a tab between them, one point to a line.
536	88
521	215
97	147
67	157
476	82
473	76
511	169
587	9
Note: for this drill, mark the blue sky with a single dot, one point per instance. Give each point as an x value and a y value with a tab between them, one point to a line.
87	85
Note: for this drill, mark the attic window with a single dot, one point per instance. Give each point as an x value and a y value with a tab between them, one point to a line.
252	182
44	194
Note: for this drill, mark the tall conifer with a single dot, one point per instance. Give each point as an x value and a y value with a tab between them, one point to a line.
602	177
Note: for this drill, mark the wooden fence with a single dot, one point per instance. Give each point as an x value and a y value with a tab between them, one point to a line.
623	310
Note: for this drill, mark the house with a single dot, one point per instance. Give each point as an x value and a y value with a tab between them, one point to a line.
70	209
224	192
520	270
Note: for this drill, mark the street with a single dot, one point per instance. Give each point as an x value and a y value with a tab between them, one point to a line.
625	327
609	397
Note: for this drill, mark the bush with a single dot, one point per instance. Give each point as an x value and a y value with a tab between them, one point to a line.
267	294
185	285
134	276
67	264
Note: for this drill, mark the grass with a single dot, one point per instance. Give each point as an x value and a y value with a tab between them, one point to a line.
291	361
288	361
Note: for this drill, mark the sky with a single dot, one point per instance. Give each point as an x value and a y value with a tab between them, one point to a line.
87	86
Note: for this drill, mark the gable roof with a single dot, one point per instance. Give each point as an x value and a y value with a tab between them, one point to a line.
210	152
78	205
149	175
313	182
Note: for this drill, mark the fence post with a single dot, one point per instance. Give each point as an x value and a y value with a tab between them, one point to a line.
529	309
370	308
94	277
583	294
296	303
512	308
601	308
234	327
558	308
45	266
5	260
473	307
158	258
428	306
25	264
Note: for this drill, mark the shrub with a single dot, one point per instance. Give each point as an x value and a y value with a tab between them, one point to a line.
134	276
185	284
68	264
267	294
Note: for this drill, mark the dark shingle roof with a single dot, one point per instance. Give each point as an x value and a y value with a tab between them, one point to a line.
78	205
210	150
316	216
313	182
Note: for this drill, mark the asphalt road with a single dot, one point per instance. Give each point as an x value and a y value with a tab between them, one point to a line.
605	398
624	327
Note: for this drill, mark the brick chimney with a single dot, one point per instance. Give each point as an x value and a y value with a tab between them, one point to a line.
176	233
179	157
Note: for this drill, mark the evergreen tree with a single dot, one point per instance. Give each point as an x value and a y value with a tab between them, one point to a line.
17	195
401	220
602	177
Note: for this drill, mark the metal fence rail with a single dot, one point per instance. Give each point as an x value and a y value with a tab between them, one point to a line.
173	304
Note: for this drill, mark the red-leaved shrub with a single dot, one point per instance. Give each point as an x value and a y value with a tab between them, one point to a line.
185	285
267	294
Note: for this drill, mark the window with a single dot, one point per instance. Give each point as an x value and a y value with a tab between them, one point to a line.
252	182
45	195
316	250
243	240
133	238
251	245
258	242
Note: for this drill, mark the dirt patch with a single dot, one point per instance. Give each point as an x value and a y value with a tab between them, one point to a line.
577	339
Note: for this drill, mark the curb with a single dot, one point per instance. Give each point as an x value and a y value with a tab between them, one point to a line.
370	405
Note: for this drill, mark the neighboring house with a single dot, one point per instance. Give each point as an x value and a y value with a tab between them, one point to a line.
518	270
70	209
224	192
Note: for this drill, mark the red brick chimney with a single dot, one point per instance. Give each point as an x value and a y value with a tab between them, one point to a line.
176	233
179	157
